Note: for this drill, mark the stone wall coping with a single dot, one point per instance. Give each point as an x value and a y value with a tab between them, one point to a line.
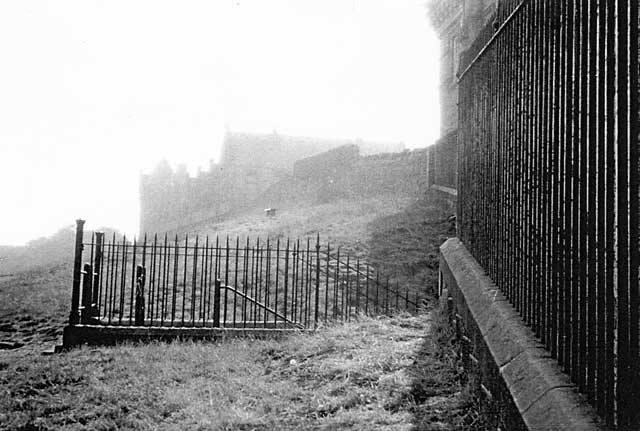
544	395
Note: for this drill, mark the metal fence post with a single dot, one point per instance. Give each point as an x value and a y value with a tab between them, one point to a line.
74	315
87	291
317	281
97	268
140	306
216	304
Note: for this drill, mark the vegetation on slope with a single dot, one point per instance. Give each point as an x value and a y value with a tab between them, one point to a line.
386	373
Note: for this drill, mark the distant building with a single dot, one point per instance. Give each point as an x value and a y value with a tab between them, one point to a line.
458	24
249	165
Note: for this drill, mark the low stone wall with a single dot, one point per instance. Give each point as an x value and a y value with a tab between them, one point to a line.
522	386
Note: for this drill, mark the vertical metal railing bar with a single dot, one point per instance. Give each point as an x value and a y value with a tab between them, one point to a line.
176	273
295	279
563	196
536	58
518	171
377	303
317	286
245	283
267	288
123	275
583	240
151	301
386	302
286	280
256	289
184	279
543	171
90	276
634	207
97	261
624	390
307	280
210	278
143	274
357	308
530	51
215	279
252	281
611	219
348	293
575	198
203	286
108	309
262	292
592	240
326	287
366	302
163	283
558	294
510	133
194	281
235	282
133	280
275	307
601	373
336	308
545	130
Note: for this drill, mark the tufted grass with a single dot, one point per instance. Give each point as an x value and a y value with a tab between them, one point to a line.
384	373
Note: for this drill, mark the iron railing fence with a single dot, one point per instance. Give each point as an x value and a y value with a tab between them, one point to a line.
214	282
548	184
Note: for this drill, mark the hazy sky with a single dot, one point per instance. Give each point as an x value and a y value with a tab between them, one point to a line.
93	92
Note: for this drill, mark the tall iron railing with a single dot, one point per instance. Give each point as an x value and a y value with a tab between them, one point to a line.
224	282
548	184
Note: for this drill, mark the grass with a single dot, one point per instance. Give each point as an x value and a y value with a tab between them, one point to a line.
343	223
385	373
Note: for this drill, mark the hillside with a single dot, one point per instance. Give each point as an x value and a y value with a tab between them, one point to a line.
383	373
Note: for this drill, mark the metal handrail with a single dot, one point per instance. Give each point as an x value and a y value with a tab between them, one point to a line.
261	305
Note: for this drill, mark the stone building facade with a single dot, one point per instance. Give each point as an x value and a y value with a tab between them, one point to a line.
458	24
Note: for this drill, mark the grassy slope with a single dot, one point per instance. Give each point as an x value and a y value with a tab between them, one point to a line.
372	374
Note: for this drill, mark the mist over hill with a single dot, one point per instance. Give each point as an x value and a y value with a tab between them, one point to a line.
53	250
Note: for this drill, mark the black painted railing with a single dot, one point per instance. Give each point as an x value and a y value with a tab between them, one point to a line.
224	283
548	183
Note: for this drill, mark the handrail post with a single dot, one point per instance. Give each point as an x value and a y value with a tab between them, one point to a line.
216	304
87	291
140	306
74	315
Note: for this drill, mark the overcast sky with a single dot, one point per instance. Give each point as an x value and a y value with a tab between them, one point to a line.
93	92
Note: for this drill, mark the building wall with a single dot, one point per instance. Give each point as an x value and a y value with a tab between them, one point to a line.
458	24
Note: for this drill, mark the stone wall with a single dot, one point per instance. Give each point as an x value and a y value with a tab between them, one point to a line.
344	173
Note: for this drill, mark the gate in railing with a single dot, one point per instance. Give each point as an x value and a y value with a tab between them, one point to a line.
164	282
549	181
